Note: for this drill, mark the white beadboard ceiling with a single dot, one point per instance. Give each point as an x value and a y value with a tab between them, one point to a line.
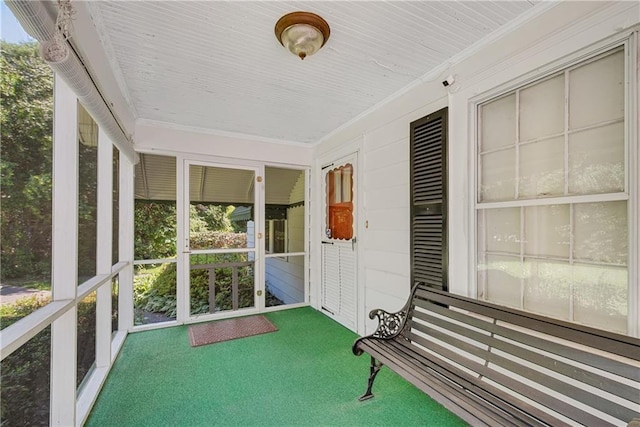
217	65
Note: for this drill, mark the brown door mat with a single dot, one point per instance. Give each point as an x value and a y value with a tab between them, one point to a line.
230	329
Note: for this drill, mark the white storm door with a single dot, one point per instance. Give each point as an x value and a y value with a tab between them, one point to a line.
220	245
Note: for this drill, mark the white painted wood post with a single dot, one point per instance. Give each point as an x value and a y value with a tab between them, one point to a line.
183	270
125	242
64	254
103	251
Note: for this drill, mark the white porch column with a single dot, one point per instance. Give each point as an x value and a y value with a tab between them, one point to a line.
64	254
125	243
103	251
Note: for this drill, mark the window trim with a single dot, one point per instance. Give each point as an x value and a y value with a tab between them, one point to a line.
631	193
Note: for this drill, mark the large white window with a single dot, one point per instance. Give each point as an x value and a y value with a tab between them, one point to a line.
553	196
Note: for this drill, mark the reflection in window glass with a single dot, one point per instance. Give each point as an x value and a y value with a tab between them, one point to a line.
567	260
498	123
498	181
596	160
502	275
547	288
24	382
339	201
601	296
276	236
87	194
541	169
86	337
26	129
600	233
541	102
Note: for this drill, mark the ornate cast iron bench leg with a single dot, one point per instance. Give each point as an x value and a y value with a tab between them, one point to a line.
375	368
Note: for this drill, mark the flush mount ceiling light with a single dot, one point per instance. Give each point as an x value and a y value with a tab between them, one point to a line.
303	33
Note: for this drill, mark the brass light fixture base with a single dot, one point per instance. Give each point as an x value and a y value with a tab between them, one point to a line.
302	18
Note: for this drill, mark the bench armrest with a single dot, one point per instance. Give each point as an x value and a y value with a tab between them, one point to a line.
390	325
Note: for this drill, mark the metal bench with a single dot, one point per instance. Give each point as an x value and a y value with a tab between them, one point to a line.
493	365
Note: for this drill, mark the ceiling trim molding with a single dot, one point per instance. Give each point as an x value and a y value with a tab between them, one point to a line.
221	133
435	73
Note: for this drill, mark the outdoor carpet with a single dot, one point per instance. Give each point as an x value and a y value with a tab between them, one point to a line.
225	330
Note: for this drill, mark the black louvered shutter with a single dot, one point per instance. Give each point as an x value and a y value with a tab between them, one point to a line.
428	139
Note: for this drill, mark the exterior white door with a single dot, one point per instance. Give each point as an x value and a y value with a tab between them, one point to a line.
339	260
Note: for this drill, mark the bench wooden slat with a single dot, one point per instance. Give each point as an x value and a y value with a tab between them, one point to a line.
621	345
594	360
501	399
533	393
574	372
499	366
541	396
439	388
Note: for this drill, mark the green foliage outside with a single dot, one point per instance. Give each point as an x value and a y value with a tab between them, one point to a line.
155	286
26	133
24	395
207	218
26	128
155	230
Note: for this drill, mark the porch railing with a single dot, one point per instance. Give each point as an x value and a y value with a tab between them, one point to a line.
211	268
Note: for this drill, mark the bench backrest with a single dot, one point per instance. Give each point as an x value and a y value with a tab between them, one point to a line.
562	371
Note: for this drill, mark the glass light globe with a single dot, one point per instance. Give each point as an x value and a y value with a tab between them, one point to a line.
302	40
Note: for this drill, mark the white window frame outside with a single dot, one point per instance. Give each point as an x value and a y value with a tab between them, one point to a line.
631	193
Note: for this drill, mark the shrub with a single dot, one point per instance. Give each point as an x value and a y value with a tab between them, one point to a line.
218	239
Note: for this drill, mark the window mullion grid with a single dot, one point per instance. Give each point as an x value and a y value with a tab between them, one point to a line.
484	261
480	215
566	191
478	156
631	182
517	195
572	289
517	148
522	250
566	132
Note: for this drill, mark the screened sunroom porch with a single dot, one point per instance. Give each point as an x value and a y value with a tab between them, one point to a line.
199	171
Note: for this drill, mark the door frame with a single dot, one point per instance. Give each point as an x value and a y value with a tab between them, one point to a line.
182	217
184	250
